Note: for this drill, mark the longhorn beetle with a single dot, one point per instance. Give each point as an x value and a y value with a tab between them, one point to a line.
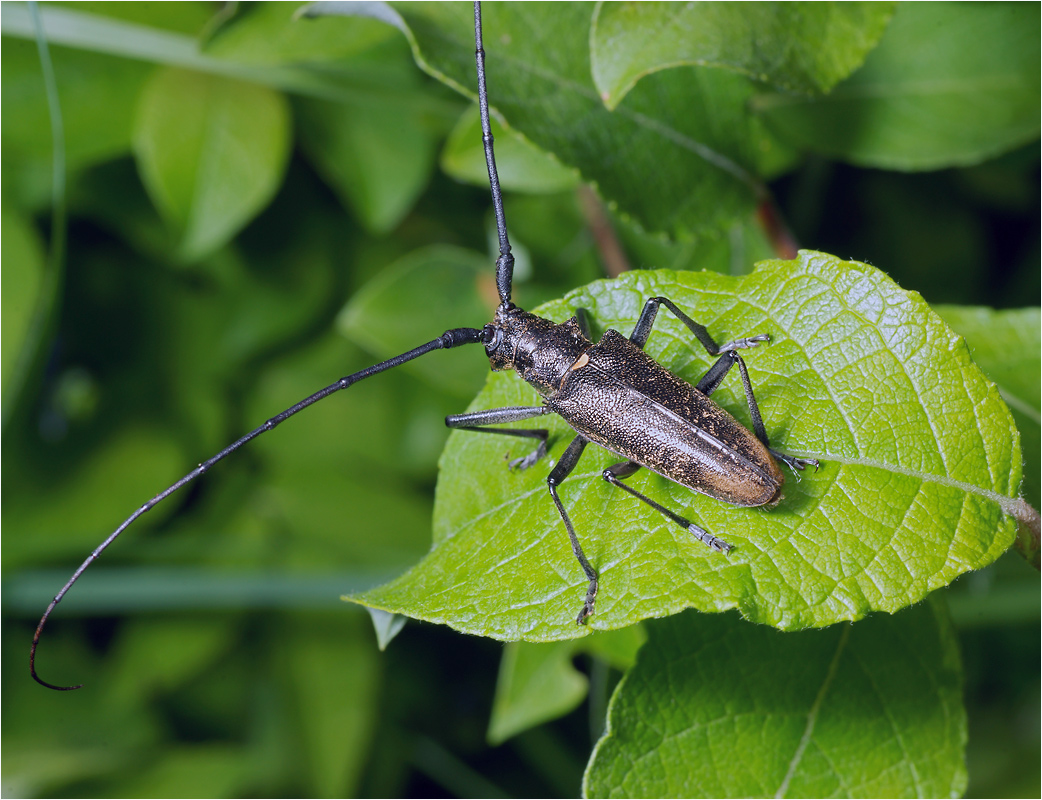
610	392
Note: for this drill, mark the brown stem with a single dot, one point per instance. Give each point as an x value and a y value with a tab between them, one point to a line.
614	260
778	234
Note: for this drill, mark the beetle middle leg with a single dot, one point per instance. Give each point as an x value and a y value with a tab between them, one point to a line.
476	421
728	357
615	475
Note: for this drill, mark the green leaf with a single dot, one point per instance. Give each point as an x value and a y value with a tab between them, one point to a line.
157	653
211	152
521	166
950	84
96	494
189	771
538	683
22	281
687	127
170	35
414	300
338	688
275	34
1006	345
378	158
804	47
98	96
920	465
716	708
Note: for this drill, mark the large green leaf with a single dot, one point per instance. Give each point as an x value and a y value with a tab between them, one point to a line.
950	84
805	47
715	708
211	152
688	127
920	465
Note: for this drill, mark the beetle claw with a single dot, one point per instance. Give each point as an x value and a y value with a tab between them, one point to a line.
797	464
525	462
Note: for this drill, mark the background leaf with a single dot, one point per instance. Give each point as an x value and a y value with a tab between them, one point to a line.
919	461
538	682
276	33
542	79
949	84
631	40
23	281
377	159
520	166
717	709
425	293
211	152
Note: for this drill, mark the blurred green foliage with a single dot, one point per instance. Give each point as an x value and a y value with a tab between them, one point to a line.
253	203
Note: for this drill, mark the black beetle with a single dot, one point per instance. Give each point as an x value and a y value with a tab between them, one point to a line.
611	393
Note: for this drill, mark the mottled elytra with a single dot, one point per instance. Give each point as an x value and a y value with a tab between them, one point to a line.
610	392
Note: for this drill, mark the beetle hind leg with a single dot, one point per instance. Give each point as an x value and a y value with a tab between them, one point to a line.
795	463
615	475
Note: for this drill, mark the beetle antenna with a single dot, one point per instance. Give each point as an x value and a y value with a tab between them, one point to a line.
451	338
505	262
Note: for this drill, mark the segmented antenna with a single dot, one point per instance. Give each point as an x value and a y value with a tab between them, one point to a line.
505	262
451	338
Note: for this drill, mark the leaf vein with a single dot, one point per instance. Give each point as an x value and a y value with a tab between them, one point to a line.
815	709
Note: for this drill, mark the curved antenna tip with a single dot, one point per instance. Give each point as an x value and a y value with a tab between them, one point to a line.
42	682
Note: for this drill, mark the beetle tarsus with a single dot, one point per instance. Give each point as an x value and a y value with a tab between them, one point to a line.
524	462
587	609
742	344
709	540
795	463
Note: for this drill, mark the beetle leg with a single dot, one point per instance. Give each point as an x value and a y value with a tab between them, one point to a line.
582	316
477	420
615	474
795	462
792	462
569	459
642	329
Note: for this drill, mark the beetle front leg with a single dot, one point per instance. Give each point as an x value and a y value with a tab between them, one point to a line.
477	420
564	467
615	475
